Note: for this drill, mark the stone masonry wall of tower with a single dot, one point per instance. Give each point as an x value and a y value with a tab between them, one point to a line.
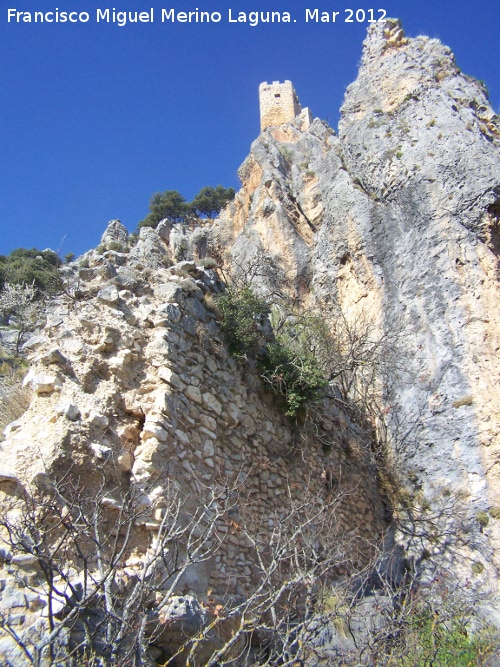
278	103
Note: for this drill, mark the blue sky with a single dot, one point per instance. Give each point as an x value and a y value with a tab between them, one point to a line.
96	117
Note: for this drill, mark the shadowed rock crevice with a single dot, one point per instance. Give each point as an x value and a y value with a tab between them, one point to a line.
493	233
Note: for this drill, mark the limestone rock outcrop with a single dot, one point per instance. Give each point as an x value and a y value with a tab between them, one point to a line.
397	219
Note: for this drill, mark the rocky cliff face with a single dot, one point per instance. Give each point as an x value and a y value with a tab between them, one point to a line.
134	392
393	222
398	217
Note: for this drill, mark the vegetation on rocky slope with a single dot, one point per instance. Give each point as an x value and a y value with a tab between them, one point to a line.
172	206
27	267
299	608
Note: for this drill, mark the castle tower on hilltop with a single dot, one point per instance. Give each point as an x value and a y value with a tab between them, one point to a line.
280	104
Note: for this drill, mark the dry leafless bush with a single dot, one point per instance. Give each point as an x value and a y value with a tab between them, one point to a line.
103	609
100	608
22	305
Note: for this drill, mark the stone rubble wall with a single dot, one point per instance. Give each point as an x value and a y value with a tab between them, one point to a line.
133	381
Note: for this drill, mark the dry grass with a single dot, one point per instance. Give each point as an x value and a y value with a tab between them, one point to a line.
465	400
210	302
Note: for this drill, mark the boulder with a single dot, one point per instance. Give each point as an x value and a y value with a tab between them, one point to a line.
114	232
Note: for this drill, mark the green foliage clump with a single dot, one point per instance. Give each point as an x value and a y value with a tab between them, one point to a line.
295	366
289	364
240	311
28	267
495	512
295	375
482	518
208	263
116	246
286	152
477	568
210	201
411	96
443	642
171	205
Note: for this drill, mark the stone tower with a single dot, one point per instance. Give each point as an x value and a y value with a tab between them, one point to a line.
280	104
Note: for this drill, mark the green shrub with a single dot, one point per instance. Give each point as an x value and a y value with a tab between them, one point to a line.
240	312
495	512
290	364
208	263
286	152
116	246
27	267
482	518
439	641
169	204
477	568
210	201
296	376
411	96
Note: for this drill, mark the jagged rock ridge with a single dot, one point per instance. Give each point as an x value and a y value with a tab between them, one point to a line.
397	217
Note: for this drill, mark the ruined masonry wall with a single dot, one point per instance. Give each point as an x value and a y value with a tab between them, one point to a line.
212	421
153	394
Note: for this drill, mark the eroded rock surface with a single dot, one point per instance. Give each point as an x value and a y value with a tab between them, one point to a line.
135	392
397	218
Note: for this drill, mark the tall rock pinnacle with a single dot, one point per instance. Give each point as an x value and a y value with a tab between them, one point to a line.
398	218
